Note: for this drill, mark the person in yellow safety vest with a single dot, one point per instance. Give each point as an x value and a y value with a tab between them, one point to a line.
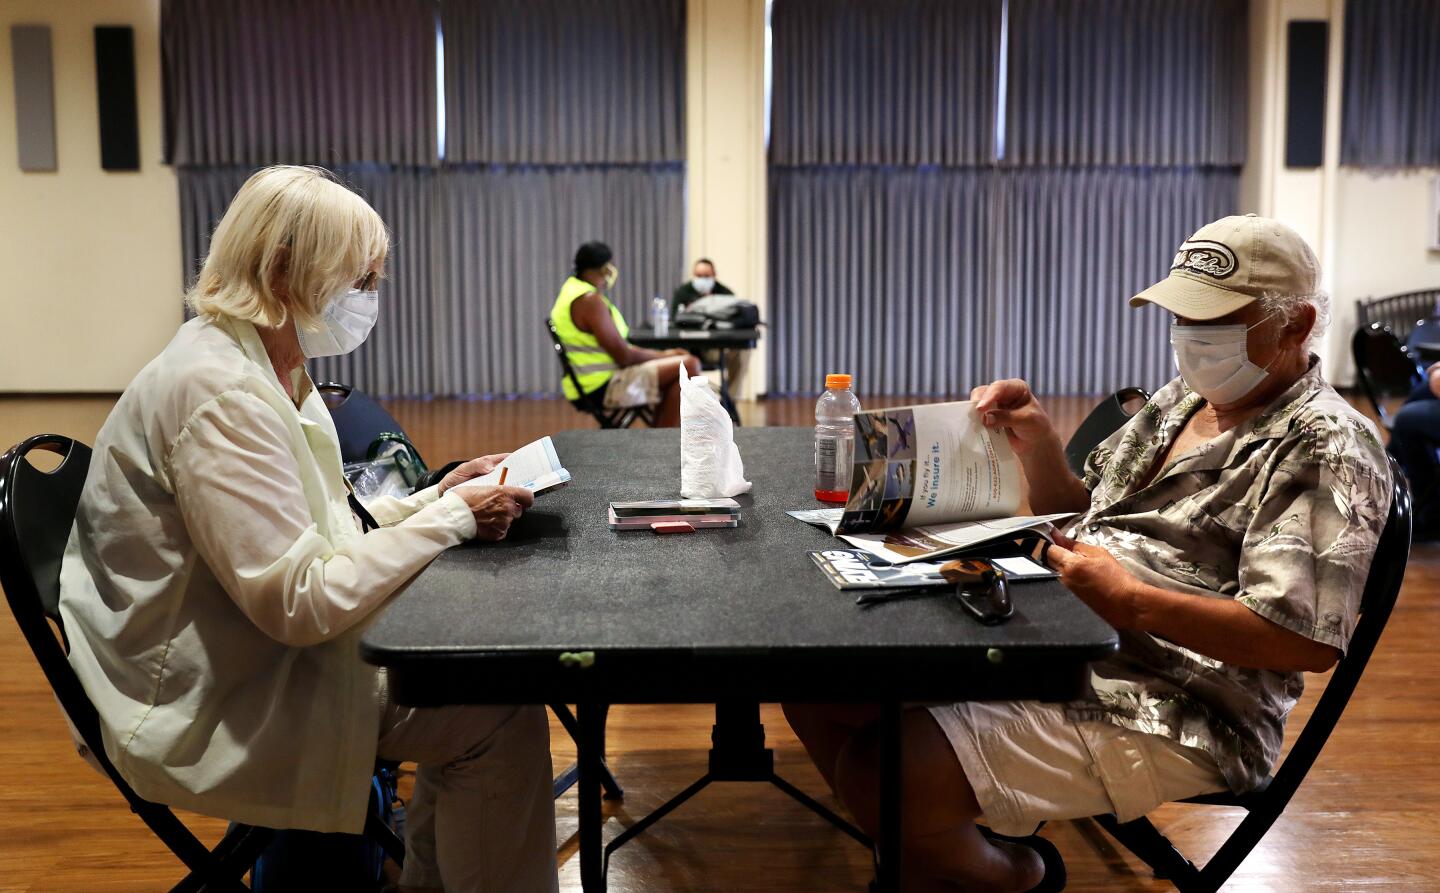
593	332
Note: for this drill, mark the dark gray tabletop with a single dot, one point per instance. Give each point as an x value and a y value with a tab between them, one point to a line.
644	336
700	616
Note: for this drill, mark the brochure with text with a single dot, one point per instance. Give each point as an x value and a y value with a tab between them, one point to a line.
927	481
535	466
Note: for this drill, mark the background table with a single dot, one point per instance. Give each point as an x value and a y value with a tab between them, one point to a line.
565	610
723	340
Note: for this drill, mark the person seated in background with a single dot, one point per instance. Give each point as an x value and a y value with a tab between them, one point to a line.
1226	531
219	575
702	282
593	331
1414	440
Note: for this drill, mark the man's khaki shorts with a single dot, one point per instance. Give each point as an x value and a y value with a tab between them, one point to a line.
1028	763
637	385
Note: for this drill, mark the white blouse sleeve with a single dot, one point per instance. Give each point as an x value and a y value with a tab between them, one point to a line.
390	510
238	486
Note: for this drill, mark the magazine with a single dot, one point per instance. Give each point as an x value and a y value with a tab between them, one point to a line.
535	466
929	481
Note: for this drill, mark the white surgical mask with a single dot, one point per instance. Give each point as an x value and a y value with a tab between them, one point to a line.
703	284
1214	361
612	275
347	322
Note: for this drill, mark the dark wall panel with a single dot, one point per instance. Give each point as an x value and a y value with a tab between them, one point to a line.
115	86
1308	55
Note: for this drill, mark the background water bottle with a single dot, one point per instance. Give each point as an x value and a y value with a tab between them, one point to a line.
835	439
660	316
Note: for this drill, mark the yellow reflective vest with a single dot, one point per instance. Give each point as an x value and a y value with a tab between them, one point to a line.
592	365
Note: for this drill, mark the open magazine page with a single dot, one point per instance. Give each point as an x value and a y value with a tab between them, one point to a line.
922	465
534	466
938	540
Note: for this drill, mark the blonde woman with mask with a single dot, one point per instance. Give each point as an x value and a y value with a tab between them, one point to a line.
217	581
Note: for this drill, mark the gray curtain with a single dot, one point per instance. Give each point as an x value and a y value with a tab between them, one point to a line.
477	257
322	81
564	81
882	273
1072	247
925	263
884	81
1391	107
508	239
1126	82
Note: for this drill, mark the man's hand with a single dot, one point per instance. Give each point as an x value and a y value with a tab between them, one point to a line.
473	469
1100	581
495	508
1009	405
1432	378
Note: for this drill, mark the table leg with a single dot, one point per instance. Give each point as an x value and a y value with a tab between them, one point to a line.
890	797
589	753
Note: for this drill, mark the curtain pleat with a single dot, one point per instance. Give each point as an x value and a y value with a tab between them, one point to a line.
477	257
884	81
509	239
1074	245
328	82
1126	82
564	81
1391	109
903	251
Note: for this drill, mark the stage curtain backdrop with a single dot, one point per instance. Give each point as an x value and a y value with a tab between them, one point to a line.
943	260
1390	114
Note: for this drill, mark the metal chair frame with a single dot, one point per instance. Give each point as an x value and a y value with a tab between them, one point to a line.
1383	367
593	403
1400	312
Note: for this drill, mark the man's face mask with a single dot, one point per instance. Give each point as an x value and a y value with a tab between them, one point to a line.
1214	361
703	284
612	274
347	322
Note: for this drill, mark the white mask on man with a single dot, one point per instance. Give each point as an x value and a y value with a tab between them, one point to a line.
346	323
703	284
1215	362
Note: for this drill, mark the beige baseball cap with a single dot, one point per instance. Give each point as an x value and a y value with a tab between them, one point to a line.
1231	262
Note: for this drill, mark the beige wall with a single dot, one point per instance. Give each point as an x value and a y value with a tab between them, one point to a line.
1370	230
91	259
725	150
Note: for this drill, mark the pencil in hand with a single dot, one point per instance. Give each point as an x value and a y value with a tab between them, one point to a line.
504	470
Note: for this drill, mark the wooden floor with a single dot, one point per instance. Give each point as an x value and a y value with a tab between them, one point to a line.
1364	820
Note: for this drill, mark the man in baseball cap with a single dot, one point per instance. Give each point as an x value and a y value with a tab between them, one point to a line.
1226	531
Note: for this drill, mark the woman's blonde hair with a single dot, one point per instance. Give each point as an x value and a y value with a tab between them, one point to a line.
291	226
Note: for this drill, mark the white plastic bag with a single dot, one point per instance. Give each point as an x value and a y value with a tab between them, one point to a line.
710	464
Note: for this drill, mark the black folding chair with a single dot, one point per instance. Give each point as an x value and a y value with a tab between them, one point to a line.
1265	804
1104	420
1385	369
359	420
593	403
37	510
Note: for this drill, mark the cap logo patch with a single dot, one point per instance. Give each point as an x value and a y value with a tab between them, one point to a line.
1208	258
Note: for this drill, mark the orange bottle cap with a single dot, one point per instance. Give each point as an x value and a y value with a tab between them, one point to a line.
837	380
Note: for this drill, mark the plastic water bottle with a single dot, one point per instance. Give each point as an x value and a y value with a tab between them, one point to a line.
660	316
835	439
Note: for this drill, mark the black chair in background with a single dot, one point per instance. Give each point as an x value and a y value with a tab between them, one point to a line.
1104	420
1265	804
1384	368
359	421
593	404
37	510
1400	312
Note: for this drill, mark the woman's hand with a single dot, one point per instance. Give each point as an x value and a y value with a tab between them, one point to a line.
495	508
1100	581
1008	405
473	469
